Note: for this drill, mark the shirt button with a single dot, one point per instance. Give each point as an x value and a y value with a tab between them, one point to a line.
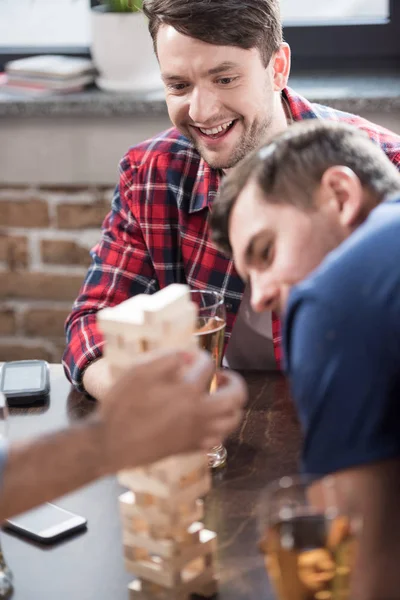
229	306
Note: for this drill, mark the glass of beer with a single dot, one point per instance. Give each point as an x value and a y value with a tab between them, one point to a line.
309	547
210	331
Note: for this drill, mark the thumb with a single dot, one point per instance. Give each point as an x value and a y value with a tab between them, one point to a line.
201	370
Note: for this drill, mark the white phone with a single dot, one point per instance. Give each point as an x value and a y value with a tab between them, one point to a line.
46	524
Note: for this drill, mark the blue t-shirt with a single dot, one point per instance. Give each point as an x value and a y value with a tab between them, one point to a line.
341	339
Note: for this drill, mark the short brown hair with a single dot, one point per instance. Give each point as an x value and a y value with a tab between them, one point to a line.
243	23
290	167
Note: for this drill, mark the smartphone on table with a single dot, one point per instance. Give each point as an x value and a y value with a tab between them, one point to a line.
25	382
46	524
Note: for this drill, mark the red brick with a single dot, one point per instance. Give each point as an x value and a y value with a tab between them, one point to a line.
7	321
24	213
44	322
21	352
14	251
39	286
64	252
58	352
81	216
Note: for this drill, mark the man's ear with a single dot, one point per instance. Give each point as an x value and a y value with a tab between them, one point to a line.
344	192
281	67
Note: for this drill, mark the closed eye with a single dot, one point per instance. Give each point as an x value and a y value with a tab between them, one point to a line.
177	87
265	253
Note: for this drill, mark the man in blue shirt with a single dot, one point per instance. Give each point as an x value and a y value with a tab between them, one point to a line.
313	223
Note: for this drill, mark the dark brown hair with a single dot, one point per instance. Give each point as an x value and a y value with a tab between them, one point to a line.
243	23
290	167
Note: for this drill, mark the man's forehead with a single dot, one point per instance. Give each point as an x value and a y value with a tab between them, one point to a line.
249	217
179	48
250	205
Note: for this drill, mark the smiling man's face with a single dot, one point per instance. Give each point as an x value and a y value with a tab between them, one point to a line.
222	98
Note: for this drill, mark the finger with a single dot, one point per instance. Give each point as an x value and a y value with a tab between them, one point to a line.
221	430
232	391
209	442
225	425
201	371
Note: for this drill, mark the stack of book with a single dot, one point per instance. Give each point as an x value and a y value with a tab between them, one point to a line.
47	75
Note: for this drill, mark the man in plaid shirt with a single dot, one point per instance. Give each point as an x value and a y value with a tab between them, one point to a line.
225	69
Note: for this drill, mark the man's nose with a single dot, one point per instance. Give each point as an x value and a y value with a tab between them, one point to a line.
203	107
264	295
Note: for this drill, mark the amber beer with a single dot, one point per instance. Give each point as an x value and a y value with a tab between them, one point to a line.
310	557
210	333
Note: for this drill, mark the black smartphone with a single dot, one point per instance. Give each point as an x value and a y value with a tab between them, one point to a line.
25	382
46	524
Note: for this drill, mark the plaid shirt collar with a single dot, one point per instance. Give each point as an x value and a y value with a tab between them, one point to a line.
205	189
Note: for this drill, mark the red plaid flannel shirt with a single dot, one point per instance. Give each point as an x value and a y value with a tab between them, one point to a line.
157	233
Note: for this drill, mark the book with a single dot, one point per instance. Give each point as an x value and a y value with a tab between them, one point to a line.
51	66
34	90
50	83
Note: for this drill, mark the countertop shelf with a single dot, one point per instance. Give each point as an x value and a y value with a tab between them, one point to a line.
351	92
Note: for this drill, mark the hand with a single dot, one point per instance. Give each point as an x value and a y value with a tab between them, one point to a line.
156	410
223	409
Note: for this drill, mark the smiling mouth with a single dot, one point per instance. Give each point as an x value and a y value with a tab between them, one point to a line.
215	133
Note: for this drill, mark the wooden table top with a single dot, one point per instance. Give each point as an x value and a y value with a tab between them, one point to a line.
90	565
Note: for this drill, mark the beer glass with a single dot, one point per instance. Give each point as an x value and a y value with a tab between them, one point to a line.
210	331
6	587
309	547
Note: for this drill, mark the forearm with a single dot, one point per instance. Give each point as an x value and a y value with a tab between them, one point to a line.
97	379
41	470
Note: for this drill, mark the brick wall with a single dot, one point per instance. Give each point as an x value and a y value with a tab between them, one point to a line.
45	237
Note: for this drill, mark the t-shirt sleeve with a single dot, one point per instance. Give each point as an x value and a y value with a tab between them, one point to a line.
3	459
344	372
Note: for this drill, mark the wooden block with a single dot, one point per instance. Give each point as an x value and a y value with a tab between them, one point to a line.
175	468
137	480
139	591
170	559
128	311
180	503
134	515
141	481
202	582
180	324
198	541
182	534
154	572
167	303
207	590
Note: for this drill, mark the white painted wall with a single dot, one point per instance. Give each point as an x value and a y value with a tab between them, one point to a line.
83	151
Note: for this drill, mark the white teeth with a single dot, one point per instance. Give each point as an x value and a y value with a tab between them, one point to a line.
216	130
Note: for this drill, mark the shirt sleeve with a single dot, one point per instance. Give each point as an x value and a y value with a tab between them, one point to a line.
121	267
3	458
343	369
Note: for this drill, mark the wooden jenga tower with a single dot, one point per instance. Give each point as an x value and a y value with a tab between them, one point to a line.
165	543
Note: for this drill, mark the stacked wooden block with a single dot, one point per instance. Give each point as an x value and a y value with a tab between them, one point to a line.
165	320
165	543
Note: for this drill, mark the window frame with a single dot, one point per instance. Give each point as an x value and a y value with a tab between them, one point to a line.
367	45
